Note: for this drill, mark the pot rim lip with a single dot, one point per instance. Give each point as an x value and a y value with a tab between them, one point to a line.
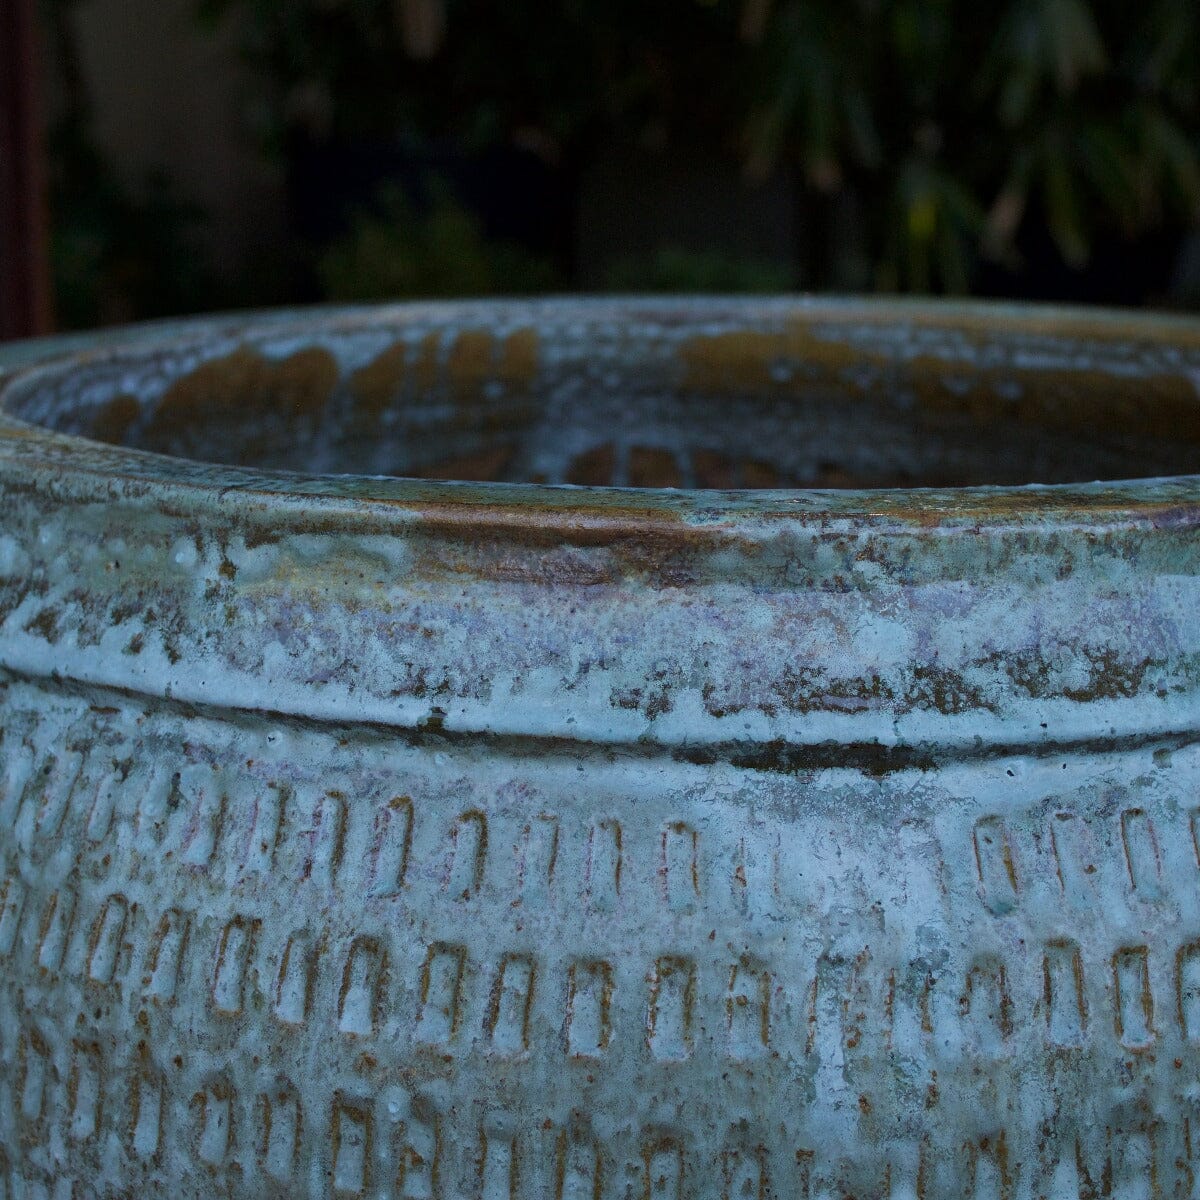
37	453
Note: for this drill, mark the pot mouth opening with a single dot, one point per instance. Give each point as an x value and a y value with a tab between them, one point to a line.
688	394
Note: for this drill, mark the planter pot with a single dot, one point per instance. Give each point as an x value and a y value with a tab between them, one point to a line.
366	835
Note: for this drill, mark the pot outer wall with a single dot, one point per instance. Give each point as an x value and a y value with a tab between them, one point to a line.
366	837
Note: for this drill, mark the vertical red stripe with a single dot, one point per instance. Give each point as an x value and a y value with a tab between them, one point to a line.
25	303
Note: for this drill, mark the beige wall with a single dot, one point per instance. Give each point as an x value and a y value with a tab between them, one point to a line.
169	95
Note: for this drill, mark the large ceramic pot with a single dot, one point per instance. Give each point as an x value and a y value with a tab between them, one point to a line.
369	834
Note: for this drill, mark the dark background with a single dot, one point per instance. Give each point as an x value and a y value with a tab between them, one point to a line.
168	156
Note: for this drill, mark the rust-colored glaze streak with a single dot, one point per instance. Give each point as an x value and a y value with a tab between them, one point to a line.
237	391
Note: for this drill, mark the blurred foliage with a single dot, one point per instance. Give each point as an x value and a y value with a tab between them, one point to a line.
118	254
676	269
394	249
967	123
966	142
956	127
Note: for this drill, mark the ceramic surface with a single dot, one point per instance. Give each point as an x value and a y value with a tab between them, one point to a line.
715	834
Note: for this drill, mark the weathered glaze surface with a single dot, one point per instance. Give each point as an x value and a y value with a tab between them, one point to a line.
391	837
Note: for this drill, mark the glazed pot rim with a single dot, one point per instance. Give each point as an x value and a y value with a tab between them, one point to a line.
768	628
32	450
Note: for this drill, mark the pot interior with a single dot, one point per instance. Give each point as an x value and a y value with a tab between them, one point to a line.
651	394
